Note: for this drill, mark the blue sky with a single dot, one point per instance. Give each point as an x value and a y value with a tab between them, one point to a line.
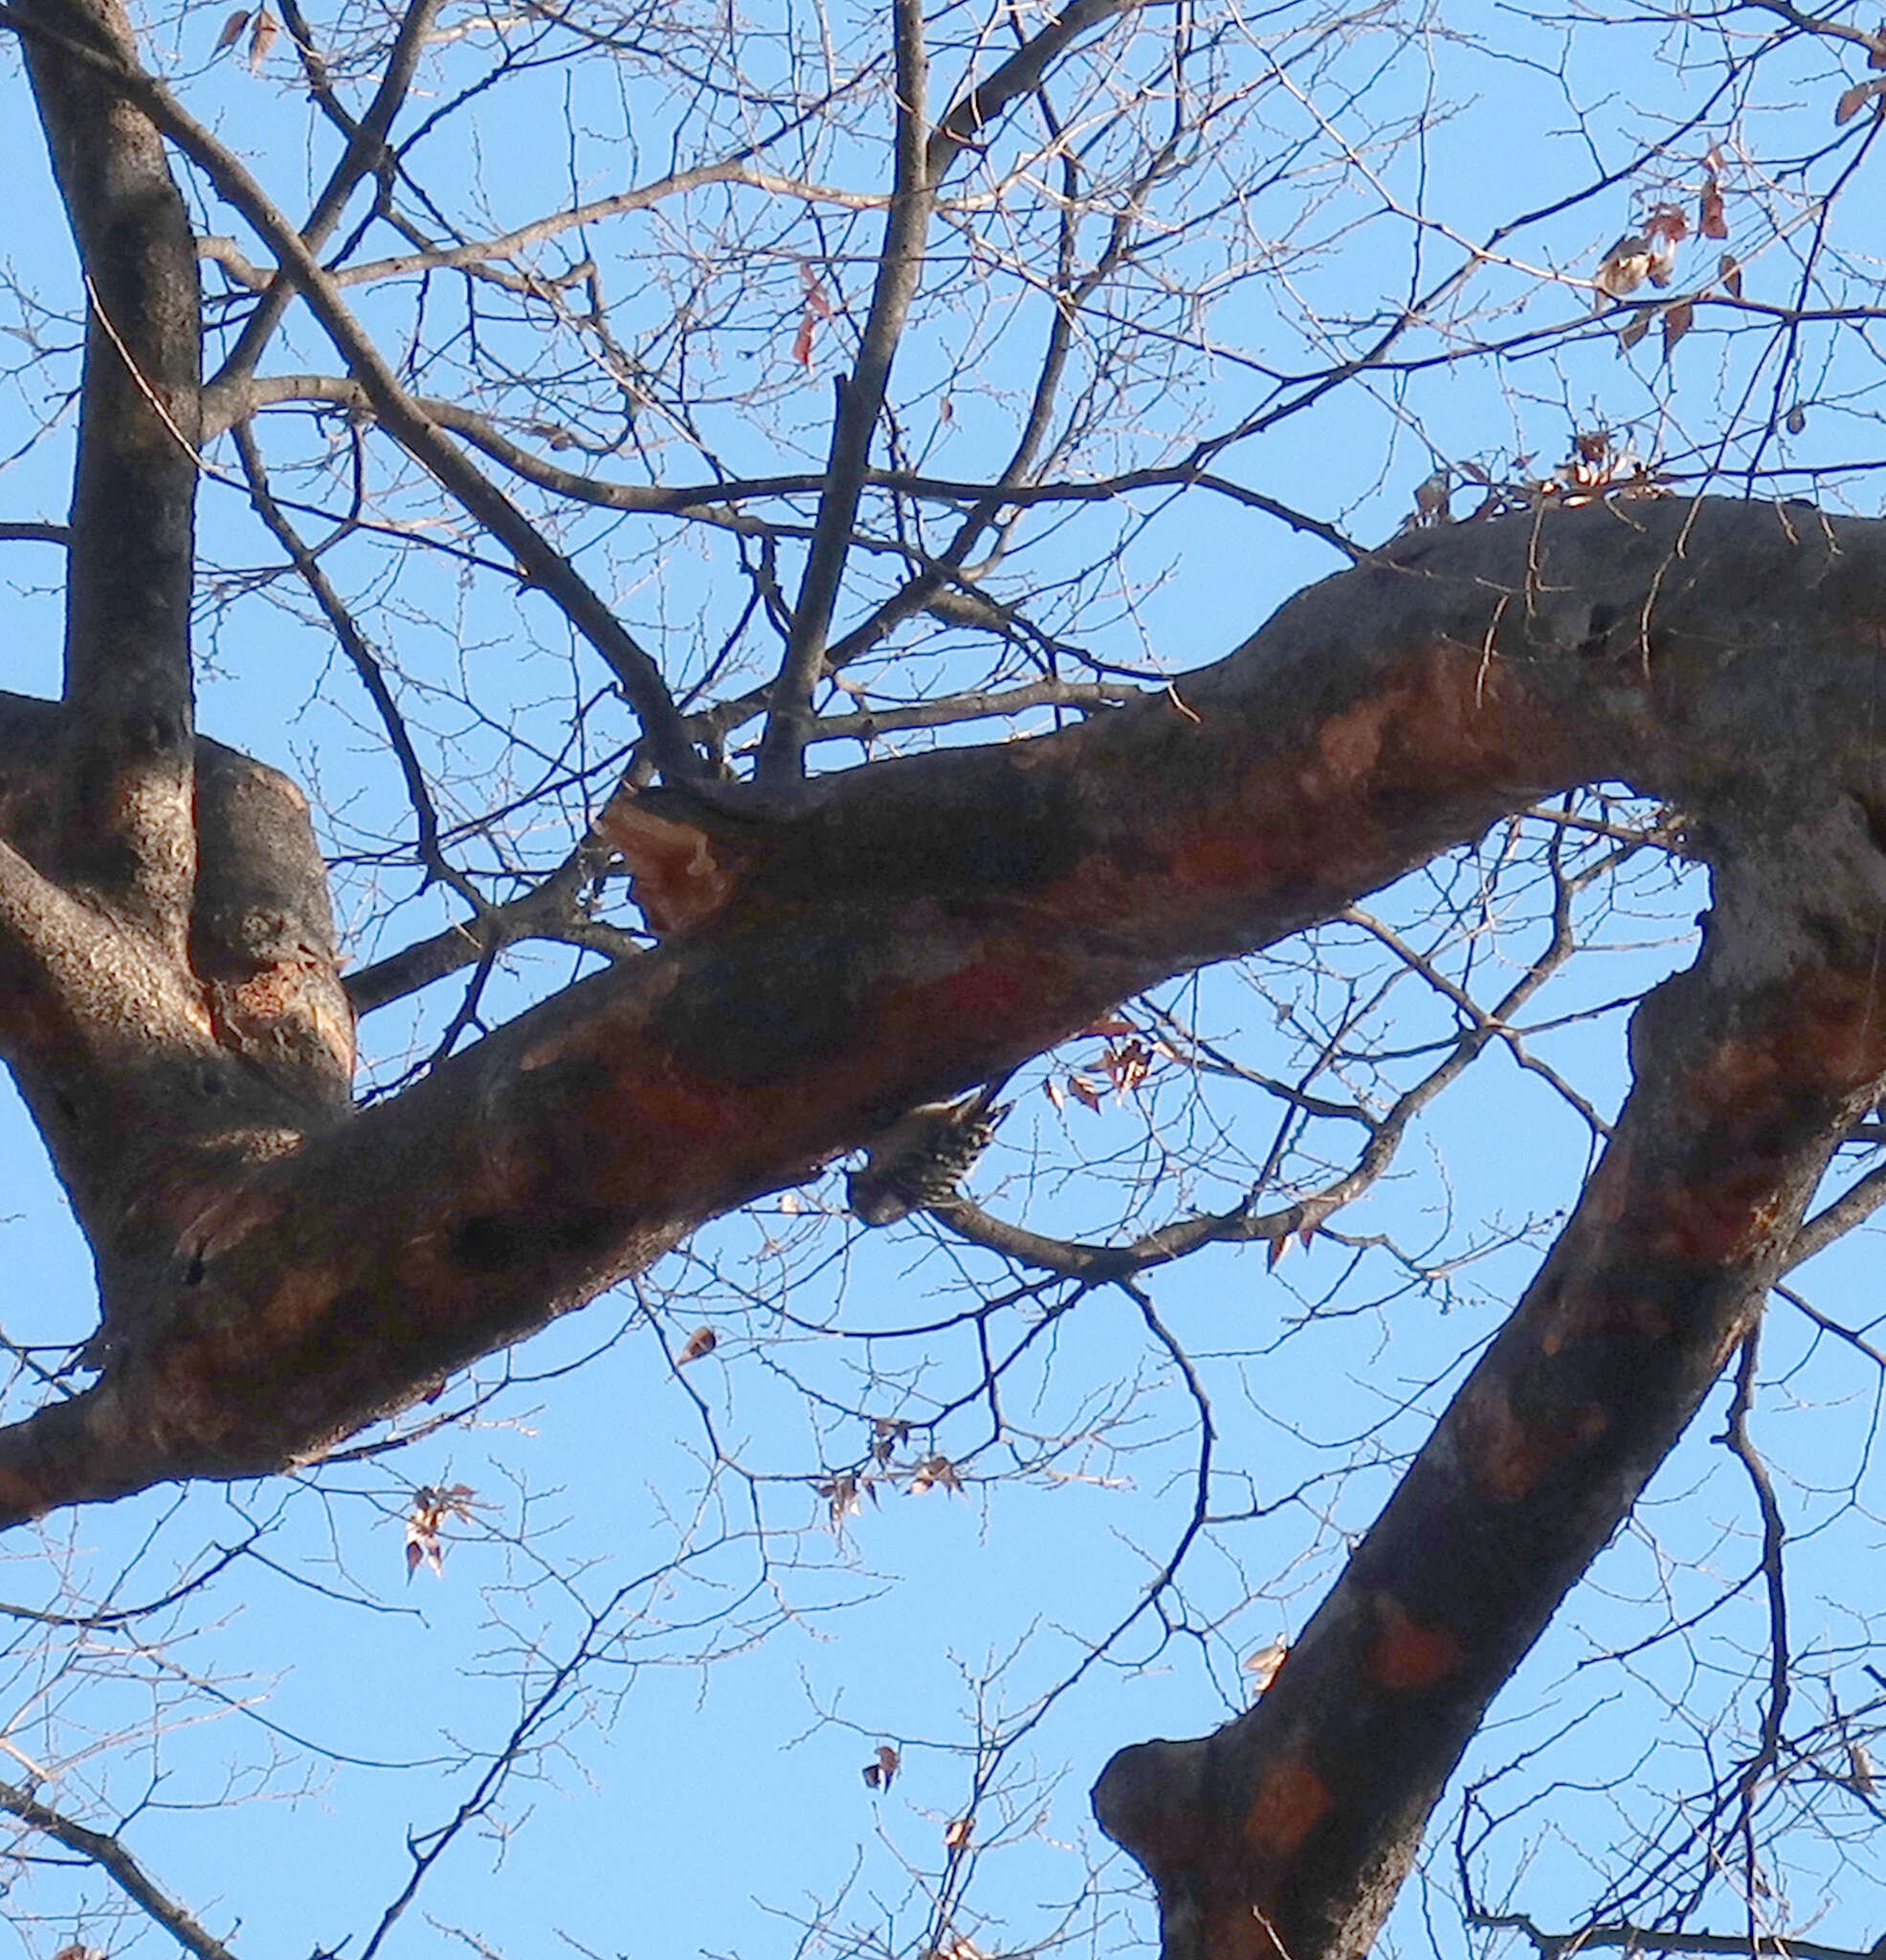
676	1807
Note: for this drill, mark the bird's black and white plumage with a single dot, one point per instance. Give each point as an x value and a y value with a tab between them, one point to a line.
917	1163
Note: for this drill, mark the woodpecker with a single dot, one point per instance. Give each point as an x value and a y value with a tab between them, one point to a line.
1432	499
917	1163
1625	267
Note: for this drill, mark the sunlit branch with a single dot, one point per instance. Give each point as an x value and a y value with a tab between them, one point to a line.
868	724
111	1858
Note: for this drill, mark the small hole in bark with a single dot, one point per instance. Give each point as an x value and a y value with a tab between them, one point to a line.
65	1105
1603	617
1875	821
193	1274
211	1081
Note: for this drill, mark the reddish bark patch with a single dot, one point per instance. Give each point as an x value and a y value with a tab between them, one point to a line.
1406	1656
1509	1455
1291	1801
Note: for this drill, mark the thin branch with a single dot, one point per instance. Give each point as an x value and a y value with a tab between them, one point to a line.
976	706
1855	1205
711	503
1648	1940
111	1858
549	912
539	562
365	147
366	667
860	403
985	104
1774	1535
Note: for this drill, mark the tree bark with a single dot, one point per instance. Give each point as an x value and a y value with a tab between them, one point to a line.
275	1272
125	831
910	930
1290	1831
276	1268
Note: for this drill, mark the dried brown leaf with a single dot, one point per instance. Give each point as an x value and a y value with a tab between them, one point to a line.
1712	220
844	1495
1853	99
888	1436
434	1506
1126	1066
957	1836
232	30
1729	272
1262	1666
878	1774
1797	419
701	1342
261	38
955	1947
1677	317
1667	221
817	307
932	1471
1634	328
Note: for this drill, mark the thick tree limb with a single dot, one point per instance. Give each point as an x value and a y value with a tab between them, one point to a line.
896	933
128	831
134	1061
917	925
1290	1832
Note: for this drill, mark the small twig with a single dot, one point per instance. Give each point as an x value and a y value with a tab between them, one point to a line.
1735	1435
